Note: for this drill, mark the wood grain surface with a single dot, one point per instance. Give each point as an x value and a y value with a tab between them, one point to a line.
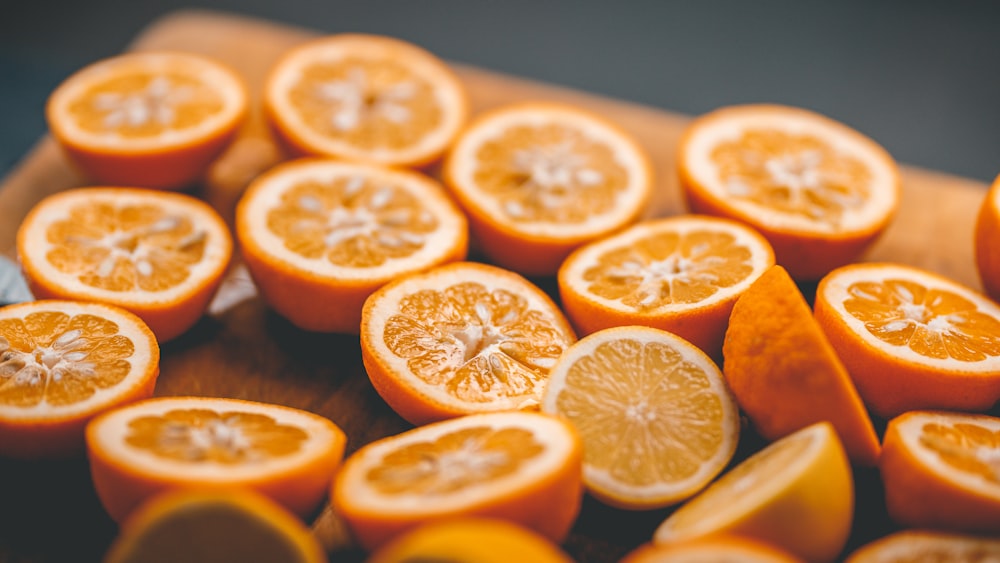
47	509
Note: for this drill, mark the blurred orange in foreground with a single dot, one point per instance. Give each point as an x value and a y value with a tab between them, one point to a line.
715	549
925	545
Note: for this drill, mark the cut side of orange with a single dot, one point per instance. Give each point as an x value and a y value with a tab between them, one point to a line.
653	411
717	549
912	339
161	255
62	363
915	546
319	236
539	180
681	274
521	467
818	190
213	526
461	338
784	372
170	443
987	232
941	470
154	119
796	494
365	98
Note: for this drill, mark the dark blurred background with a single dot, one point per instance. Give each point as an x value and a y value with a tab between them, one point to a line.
921	77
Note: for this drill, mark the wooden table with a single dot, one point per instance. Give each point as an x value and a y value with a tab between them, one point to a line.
48	511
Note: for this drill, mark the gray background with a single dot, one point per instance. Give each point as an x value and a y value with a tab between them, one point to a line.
922	78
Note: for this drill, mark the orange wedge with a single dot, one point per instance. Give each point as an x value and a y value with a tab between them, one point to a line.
161	255
912	339
319	236
62	363
818	190
719	549
914	546
940	470
461	338
653	411
155	119
784	373
219	526
987	232
366	98
796	494
539	180
470	540
522	467
286	454
681	274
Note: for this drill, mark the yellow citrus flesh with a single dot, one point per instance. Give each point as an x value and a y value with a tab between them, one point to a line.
367	98
797	494
653	411
461	338
917	546
518	466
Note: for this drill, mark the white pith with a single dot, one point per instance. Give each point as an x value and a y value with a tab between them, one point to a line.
911	430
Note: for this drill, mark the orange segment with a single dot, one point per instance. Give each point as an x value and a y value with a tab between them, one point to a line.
987	232
62	363
818	190
656	419
940	471
517	466
202	526
796	494
784	372
538	180
161	255
173	443
365	97
147	119
319	236
459	339
718	549
914	546
912	339
681	274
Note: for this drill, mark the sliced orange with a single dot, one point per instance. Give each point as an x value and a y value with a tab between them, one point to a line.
62	363
912	339
470	540
987	232
942	470
459	339
161	255
172	443
796	494
319	236
154	119
213	526
522	467
653	411
784	373
366	98
818	190
915	546
681	274
719	549
538	180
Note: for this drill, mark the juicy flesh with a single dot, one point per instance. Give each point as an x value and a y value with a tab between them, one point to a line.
124	248
370	104
199	435
60	359
934	323
145	104
669	268
454	462
552	173
798	175
351	222
476	344
646	415
969	448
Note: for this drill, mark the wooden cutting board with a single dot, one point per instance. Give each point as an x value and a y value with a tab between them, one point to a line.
47	509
